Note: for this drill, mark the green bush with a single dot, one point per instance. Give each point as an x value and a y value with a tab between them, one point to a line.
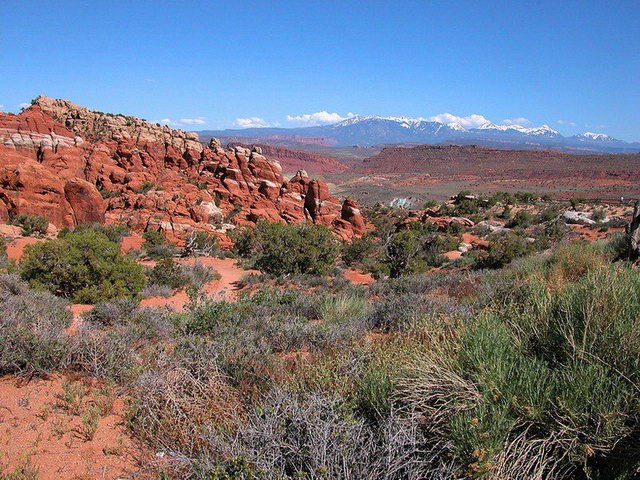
112	232
85	267
156	246
503	249
31	224
522	219
167	272
359	251
282	249
544	382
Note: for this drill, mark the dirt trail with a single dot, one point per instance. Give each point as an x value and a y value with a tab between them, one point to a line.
225	287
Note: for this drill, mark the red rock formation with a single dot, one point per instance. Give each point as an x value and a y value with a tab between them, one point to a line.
294	160
59	160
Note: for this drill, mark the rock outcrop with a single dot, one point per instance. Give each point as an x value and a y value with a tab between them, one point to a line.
73	166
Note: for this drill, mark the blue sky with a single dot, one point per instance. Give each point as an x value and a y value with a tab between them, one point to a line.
209	65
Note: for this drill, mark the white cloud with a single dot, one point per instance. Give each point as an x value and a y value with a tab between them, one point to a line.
1	106
150	80
194	121
251	122
318	118
183	121
520	121
566	122
24	105
470	121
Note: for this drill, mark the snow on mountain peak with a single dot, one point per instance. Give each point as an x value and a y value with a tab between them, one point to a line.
602	137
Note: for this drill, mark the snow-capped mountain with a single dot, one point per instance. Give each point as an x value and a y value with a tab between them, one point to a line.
594	137
376	130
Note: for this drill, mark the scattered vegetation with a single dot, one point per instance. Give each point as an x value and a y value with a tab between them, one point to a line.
521	362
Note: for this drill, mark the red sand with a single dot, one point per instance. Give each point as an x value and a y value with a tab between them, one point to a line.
357	277
36	429
15	249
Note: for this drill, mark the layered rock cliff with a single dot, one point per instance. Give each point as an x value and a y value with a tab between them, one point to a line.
73	165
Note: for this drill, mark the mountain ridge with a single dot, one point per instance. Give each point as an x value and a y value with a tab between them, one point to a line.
378	130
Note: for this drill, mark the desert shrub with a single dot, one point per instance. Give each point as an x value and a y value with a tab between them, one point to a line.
112	312
175	405
503	249
197	274
319	436
282	249
86	267
32	329
167	272
618	246
31	224
402	254
522	219
156	246
360	251
548	214
4	259
152	290
525	197
599	215
413	251
545	384
112	232
504	198
104	353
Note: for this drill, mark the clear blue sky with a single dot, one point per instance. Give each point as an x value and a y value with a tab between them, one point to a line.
546	61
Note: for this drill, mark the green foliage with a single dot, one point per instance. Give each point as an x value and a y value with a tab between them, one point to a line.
156	246
282	249
146	187
360	251
85	267
412	251
599	215
547	379
31	224
522	219
503	249
167	272
112	232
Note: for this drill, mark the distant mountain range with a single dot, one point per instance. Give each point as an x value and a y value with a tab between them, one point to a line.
376	130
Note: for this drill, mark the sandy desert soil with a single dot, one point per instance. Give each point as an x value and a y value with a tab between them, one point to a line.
40	429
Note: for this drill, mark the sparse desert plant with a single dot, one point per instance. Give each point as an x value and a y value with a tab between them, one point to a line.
86	267
31	224
156	246
90	419
167	272
153	290
32	329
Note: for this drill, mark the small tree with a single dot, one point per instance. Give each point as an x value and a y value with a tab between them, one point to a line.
282	249
85	267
